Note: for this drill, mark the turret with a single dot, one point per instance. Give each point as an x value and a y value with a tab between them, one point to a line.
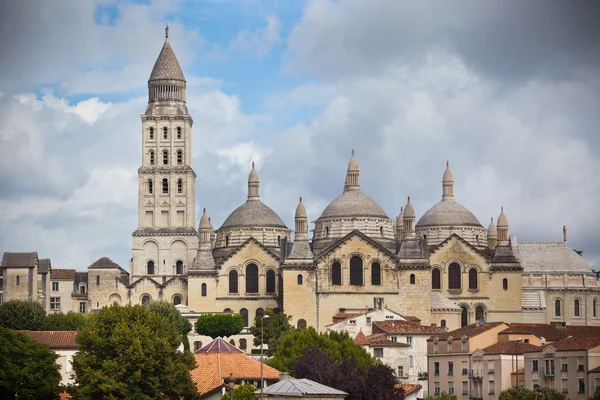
502	229
352	175
400	225
492	235
409	221
253	185
301	228
448	184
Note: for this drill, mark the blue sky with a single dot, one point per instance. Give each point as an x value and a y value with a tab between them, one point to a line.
508	94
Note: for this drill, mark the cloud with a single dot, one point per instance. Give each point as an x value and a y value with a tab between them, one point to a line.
258	43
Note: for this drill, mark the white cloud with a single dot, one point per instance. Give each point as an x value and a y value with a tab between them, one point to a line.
259	42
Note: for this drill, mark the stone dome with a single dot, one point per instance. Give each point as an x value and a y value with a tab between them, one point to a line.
353	203
253	214
448	213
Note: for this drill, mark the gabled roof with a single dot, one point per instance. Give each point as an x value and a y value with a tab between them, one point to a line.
23	260
62	273
483	254
361	339
582	331
219	345
408	388
361	235
300	388
381	340
469	331
54	339
511	347
576	343
546	331
401	327
342	316
244	244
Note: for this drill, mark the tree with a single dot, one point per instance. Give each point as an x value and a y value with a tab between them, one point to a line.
168	311
242	392
70	321
22	315
131	352
443	396
219	325
274	326
526	394
596	395
28	369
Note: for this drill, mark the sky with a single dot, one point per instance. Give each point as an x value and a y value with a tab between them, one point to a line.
508	92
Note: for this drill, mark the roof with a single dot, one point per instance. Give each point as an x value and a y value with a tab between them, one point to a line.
301	250
532	299
44	265
381	340
219	346
254	214
397	326
597	369
408	388
577	343
511	347
361	339
54	339
448	212
19	259
353	203
469	331
546	331
301	387
105	262
342	316
62	273
582	331
550	257
166	65
64	396
214	367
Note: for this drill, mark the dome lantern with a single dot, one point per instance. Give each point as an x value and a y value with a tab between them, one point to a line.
502	228
492	235
253	185
409	221
448	184
301	228
352	175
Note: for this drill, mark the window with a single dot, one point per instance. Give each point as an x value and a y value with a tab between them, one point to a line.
278	241
564	367
233	281
454	276
150	267
82	307
505	284
259	312
151	133
145	299
299	279
150	186
411	362
151	158
336	273
18	280
197	346
98	280
409	340
244	314
352	322
594	308
178	132
176	300
55	303
270	281
226	241
378	352
82	289
243	344
464	316
436	389
381	231
179	267
576	308
436	368
376	274
369	322
581	388
356	271
436	281
227	311
203	290
450	387
165	131
179	157
557	308
480	313
165	186
580	365
400	371
534	366
165	157
251	278
327	231
412	279
443	323
55	286
179	186
301	323
473	278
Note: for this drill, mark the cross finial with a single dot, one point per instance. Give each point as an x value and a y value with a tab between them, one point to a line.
166	31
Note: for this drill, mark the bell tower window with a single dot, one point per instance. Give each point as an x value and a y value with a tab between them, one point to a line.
165	133
165	157
179	157
165	186
150	186
179	186
178	132
151	133
151	158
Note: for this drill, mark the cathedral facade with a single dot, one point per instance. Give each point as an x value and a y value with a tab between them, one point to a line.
444	268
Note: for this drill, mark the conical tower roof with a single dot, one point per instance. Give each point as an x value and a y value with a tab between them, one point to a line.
166	66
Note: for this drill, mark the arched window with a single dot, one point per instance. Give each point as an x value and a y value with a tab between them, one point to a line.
301	323
243	344
165	130
179	267
179	157
270	281
594	308
454	276
473	278
479	313
278	241
197	346
557	308
151	133
165	185
150	186
97	280
204	290
251	278
145	299
179	186
259	312
233	281
244	314
336	273
176	300
178	132
464	316
227	311
226	241
381	231
375	274
412	279
327	231
505	284
576	310
151	158
150	267
443	323
165	157
436	281
299	279
356	271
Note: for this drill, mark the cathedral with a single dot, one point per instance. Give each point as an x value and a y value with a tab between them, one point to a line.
444	268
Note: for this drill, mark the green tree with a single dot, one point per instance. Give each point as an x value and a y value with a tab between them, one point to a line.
596	395
130	352
70	321
28	369
242	392
526	394
168	311
443	396
22	315
219	325
274	326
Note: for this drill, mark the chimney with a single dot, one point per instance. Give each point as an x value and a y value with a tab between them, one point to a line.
283	376
543	340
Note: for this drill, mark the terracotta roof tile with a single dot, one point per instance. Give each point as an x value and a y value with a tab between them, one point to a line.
582	331
62	274
413	318
54	339
64	396
468	331
597	369
546	331
361	339
396	326
339	317
219	346
381	339
577	343
408	388
511	347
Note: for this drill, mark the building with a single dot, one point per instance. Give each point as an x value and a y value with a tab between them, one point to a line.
301	388
63	344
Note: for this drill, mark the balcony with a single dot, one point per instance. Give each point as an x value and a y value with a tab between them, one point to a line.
548	372
476	374
423	376
491	371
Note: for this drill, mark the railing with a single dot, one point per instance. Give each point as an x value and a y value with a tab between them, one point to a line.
476	396
548	371
491	371
475	374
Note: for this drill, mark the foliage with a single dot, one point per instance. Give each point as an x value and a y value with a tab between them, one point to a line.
219	325
242	392
231	341
527	394
168	310
443	396
339	346
376	382
131	352
70	321
22	315
596	395
274	326
28	369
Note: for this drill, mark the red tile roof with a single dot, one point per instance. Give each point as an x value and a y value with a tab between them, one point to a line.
381	340
412	318
511	347
582	331
469	331
54	339
64	396
398	326
62	273
339	317
361	339
546	331
408	388
597	369
576	343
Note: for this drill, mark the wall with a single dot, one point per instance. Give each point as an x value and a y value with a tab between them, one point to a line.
65	289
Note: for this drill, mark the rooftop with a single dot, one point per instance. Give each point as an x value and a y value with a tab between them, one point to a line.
550	257
576	343
582	331
62	274
397	326
408	388
546	331
219	346
54	339
511	347
469	331
448	213
302	387
19	259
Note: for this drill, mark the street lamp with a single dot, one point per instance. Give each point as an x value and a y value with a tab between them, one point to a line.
230	382
262	335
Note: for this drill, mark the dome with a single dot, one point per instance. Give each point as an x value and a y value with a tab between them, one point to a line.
448	213
502	220
204	221
409	211
300	210
448	177
253	214
492	231
353	203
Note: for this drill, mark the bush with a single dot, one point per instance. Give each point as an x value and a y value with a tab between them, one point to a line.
70	321
219	325
443	396
22	315
526	394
